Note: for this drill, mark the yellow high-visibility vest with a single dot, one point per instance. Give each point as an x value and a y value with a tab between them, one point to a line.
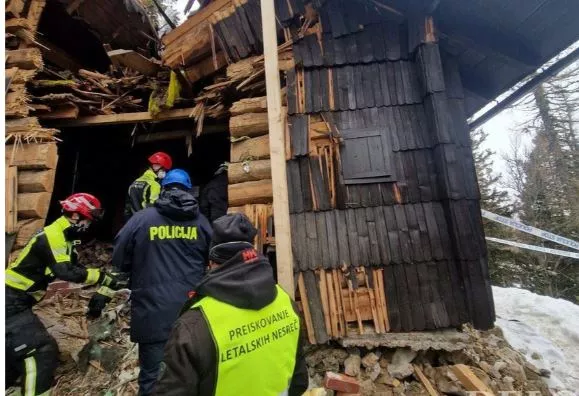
256	350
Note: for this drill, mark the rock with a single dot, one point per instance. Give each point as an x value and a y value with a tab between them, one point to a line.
383	362
400	367
536	356
507	384
508	354
352	365
374	371
383	390
316	392
370	360
367	388
385	378
490	369
499	365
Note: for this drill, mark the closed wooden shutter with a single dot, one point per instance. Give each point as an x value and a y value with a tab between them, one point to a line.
365	156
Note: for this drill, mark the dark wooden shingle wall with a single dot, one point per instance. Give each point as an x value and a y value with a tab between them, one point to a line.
423	227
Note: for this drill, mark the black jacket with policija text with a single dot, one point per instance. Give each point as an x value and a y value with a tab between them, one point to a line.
165	249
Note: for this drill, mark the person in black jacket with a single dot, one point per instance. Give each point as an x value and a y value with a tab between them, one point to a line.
240	333
165	250
213	195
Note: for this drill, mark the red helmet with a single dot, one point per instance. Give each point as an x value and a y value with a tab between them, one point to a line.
85	204
162	159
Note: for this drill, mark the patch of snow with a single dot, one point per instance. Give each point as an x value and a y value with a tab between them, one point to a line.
545	330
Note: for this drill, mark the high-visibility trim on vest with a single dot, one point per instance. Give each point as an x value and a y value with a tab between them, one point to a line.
152	187
106	291
92	276
60	247
17	281
30	384
256	350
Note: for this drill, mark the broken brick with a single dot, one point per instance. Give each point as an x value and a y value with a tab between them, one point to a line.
341	383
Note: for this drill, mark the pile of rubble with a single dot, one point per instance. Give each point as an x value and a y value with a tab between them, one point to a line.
480	361
96	356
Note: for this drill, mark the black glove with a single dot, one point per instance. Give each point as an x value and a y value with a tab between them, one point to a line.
97	303
113	281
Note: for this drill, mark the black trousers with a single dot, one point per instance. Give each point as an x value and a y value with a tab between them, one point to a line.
150	358
31	353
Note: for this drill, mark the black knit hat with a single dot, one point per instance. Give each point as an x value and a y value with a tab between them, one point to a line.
231	234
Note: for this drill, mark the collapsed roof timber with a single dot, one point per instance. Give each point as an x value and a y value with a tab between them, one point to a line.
384	204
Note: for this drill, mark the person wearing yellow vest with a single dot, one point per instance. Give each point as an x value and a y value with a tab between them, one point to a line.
32	353
239	334
144	191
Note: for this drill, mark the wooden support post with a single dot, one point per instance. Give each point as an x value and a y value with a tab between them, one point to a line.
283	250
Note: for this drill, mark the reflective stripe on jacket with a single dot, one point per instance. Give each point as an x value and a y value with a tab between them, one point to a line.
256	349
142	193
48	255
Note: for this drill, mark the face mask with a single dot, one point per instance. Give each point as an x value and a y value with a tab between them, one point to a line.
161	174
77	230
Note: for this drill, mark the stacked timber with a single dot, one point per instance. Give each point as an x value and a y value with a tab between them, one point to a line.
29	181
250	186
31	154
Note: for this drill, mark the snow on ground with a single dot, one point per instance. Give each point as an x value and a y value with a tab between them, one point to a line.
545	330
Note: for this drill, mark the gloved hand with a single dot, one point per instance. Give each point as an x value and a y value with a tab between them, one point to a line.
113	281
97	303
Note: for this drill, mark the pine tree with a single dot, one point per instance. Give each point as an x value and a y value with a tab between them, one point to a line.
550	189
496	200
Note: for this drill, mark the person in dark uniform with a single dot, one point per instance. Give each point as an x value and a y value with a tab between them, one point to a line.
240	333
164	249
213	195
144	191
51	254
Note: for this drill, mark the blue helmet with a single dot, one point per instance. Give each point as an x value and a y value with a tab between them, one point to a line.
177	176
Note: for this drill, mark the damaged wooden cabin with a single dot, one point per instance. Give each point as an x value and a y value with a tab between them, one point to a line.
385	216
384	205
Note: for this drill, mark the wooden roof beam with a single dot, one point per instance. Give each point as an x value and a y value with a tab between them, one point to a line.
124	118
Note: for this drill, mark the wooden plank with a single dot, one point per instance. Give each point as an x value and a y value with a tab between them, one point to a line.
250	149
11	199
26	229
316	308
321	275
332	304
250	124
363	237
276	117
295	187
425	381
32	156
332	235
403	233
36	181
299	135
34	12
354	242
320	187
205	67
414	230
64	111
469	380
306	183
393	235
240	172
392	304
322	233
28	59
405	303
343	245
306	307
383	299
14	8
314	254
133	60
33	205
126	118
